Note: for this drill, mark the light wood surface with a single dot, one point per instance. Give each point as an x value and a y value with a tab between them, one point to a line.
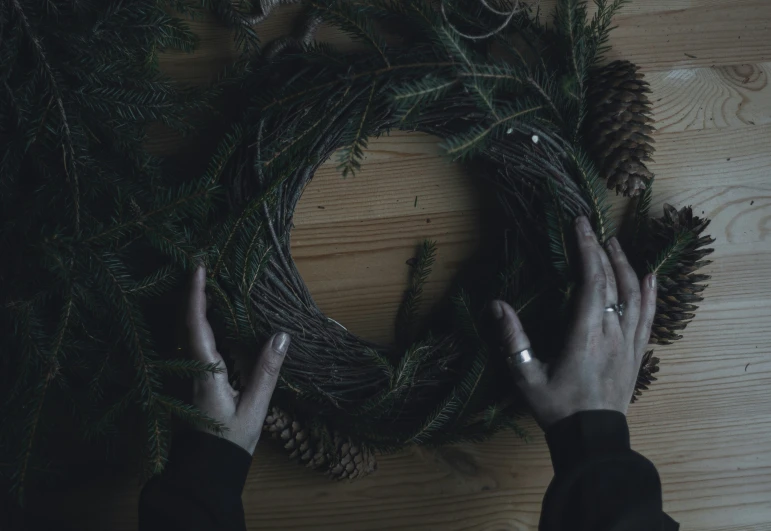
706	423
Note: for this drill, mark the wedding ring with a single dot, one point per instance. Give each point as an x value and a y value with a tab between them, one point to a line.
617	308
521	357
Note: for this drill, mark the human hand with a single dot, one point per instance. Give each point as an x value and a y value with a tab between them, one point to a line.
603	350
242	413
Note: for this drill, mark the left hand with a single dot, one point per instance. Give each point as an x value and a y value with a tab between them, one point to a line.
242	413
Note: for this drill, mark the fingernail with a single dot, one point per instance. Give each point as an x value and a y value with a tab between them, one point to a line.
585	226
497	309
281	342
652	281
613	245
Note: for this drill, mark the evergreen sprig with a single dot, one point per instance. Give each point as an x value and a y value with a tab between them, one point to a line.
92	225
408	312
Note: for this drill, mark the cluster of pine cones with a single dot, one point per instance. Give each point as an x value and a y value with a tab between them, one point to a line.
314	446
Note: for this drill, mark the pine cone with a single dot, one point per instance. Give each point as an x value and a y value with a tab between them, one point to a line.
649	367
680	286
618	128
350	460
314	447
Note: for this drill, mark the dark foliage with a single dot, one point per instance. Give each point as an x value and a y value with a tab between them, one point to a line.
97	233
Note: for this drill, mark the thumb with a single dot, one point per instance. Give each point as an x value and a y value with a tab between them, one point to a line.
513	340
259	388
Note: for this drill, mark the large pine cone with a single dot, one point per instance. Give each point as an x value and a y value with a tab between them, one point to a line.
314	447
618	128
679	234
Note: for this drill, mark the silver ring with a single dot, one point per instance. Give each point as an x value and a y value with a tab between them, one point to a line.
617	308
521	357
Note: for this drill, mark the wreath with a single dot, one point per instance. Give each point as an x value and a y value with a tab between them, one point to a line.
531	111
98	232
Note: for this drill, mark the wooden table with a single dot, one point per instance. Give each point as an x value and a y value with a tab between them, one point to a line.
706	423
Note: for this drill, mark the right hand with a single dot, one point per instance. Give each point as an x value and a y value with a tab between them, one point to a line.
600	361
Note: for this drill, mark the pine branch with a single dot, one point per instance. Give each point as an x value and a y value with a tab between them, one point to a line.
101	427
594	190
118	283
600	27
244	34
190	414
642	214
571	20
225	151
357	25
155	284
466	391
186	368
558	227
667	260
158	435
436	421
67	147
401	380
421	91
408	310
184	198
465	144
353	153
231	319
51	369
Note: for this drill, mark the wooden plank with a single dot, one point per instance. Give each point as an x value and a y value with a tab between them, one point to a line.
711	98
720	33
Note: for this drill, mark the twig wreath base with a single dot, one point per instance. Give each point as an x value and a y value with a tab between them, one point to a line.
516	122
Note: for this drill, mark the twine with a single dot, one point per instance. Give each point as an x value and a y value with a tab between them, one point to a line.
517	7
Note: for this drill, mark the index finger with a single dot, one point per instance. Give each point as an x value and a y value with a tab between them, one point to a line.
591	302
200	335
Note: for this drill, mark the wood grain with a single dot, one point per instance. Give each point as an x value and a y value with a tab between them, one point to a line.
706	423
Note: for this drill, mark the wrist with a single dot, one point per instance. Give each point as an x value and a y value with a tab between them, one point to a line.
586	434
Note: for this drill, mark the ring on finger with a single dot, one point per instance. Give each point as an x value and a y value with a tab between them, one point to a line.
521	357
617	308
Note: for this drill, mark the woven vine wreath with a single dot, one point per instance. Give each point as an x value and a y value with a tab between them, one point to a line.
538	122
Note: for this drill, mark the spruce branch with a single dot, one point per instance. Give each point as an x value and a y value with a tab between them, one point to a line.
67	148
601	26
351	155
558	227
352	21
667	260
421	91
51	370
156	283
186	368
189	413
594	190
468	143
642	214
408	310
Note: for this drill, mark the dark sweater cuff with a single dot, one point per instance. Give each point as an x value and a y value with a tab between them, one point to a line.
205	459
585	435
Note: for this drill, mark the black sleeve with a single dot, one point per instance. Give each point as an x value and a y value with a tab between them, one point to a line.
599	483
200	488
